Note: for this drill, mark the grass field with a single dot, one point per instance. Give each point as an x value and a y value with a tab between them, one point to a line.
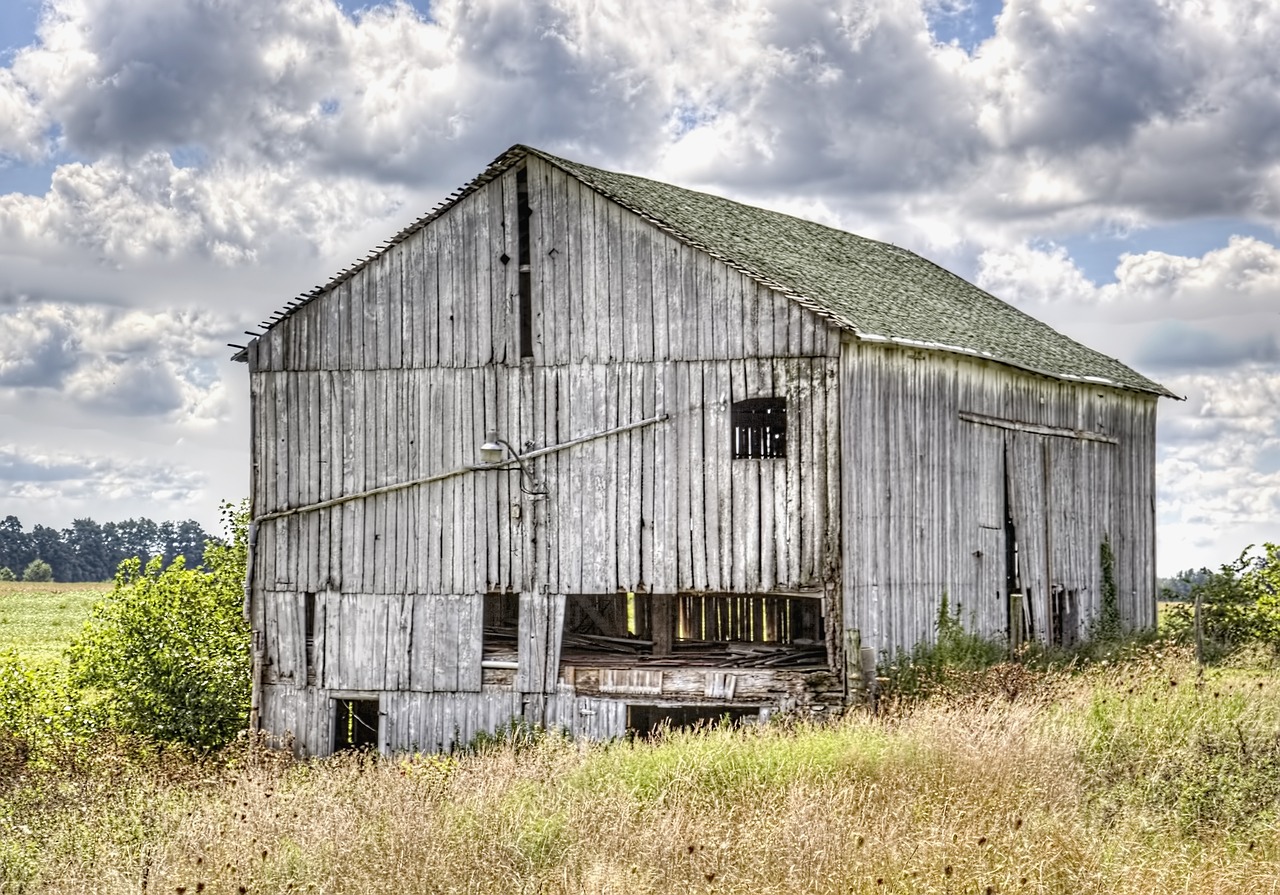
39	619
1134	778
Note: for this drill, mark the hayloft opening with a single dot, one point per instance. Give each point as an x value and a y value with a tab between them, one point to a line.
758	427
699	629
355	724
523	213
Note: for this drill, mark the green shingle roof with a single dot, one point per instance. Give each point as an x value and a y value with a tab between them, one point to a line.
878	291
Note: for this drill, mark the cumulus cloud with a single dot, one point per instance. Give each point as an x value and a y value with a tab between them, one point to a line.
150	208
1219	471
38	346
22	122
117	363
33	474
1070	114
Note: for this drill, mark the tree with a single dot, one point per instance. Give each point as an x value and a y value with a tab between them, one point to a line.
6	574
169	648
38	570
1261	581
15	545
46	544
1239	603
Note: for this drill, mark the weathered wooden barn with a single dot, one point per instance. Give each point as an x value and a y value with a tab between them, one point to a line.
594	451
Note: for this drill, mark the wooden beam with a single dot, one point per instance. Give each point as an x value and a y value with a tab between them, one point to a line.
1036	428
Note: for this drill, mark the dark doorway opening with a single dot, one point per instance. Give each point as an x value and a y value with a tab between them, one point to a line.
355	724
501	627
647	720
1018	607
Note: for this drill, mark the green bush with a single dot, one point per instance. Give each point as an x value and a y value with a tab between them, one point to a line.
38	570
168	650
6	574
39	711
1239	606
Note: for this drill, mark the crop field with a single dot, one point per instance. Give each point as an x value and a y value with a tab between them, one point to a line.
39	619
1139	776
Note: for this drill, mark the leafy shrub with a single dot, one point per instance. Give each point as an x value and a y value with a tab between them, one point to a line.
39	710
6	574
1239	606
168	650
38	570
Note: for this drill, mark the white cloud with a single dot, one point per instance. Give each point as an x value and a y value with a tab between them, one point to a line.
114	363
22	122
37	346
35	474
149	209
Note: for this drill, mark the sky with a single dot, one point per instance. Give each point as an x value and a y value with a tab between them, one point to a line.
172	171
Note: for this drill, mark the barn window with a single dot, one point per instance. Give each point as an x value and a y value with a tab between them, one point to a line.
355	724
759	428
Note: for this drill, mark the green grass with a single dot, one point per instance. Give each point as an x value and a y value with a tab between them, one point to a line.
39	619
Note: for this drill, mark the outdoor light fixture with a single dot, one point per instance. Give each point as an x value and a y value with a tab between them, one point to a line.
491	454
491	450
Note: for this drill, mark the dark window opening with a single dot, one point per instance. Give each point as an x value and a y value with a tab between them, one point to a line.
523	213
722	629
1066	616
647	720
501	627
758	427
309	611
355	724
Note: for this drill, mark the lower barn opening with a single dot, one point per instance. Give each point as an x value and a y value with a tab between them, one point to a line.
724	630
355	724
501	629
647	720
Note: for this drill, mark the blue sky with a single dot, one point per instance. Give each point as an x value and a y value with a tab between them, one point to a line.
171	171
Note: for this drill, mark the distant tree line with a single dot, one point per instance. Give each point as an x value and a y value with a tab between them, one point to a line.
88	551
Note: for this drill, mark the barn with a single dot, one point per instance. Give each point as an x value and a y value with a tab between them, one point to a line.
586	450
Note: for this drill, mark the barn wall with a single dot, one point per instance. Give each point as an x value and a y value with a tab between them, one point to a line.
925	489
396	374
660	508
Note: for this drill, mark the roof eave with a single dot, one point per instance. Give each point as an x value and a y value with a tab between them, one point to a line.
1159	390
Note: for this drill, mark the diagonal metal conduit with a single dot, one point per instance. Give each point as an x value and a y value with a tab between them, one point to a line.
462	470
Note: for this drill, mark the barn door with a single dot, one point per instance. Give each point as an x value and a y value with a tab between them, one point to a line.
1058	516
985	610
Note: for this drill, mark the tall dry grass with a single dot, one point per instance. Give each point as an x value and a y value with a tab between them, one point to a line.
1026	783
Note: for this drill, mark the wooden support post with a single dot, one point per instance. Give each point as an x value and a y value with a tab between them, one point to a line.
662	622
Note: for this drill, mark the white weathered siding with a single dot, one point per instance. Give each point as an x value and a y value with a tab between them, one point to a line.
397	373
924	492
